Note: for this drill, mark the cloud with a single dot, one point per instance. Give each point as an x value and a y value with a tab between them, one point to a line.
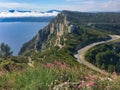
7	14
111	4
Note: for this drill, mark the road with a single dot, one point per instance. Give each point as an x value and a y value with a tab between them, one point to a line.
80	55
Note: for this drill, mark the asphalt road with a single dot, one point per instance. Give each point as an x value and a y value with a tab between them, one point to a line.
80	55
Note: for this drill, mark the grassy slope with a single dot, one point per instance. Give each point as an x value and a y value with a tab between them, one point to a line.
47	76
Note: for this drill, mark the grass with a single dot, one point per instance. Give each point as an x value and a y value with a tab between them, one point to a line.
35	80
47	76
41	78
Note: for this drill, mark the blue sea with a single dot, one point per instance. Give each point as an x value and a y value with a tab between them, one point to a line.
15	34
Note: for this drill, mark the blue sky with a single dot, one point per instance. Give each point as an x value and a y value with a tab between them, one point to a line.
75	5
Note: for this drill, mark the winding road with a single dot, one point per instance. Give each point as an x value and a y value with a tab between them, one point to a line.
80	55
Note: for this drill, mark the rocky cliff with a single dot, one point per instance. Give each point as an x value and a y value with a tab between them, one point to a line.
75	29
52	35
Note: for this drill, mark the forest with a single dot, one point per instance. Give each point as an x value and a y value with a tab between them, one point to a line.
105	56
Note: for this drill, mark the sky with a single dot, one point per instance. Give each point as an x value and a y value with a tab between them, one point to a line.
74	5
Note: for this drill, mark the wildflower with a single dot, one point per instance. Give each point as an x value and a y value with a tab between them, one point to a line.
82	84
63	66
86	78
91	84
94	77
49	65
57	63
60	65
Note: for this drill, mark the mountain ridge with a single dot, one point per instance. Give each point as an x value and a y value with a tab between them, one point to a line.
42	38
67	23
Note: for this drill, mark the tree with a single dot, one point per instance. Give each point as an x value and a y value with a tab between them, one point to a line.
103	66
111	68
5	50
98	60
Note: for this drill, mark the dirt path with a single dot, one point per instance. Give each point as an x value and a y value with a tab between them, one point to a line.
80	55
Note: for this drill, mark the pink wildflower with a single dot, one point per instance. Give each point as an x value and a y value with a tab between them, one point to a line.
82	84
91	84
49	65
60	64
64	66
94	77
86	78
57	63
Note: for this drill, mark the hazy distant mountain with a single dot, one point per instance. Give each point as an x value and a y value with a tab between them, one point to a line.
12	11
27	16
51	11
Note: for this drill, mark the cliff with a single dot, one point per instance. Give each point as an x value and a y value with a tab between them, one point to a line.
51	35
76	27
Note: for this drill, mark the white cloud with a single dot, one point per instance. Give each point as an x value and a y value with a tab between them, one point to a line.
26	14
111	4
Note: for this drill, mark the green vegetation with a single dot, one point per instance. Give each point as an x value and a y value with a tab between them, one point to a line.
78	23
47	76
108	22
82	37
48	59
105	56
5	50
54	54
74	41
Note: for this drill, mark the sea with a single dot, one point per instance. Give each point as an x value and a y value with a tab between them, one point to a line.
15	34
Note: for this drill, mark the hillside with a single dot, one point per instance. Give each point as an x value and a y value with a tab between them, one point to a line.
47	61
104	21
68	26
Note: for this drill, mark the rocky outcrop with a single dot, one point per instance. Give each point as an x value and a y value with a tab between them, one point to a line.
73	22
51	35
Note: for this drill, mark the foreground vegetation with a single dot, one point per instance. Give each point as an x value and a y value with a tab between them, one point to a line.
48	70
48	76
